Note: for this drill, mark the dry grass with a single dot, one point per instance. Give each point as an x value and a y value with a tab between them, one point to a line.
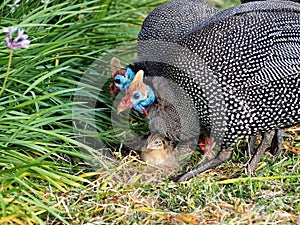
132	193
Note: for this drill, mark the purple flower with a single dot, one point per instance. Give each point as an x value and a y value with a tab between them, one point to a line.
20	41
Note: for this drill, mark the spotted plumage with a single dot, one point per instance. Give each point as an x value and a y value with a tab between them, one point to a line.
241	71
254	59
172	20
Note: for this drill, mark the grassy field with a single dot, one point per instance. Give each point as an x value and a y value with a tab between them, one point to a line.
45	129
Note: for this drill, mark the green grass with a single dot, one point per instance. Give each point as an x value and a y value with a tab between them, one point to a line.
46	179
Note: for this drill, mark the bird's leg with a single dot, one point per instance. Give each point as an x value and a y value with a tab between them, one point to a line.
220	157
276	145
251	144
265	143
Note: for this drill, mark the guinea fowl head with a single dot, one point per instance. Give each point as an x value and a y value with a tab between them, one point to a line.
139	96
121	77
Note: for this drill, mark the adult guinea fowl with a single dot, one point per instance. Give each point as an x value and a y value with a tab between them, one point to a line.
169	22
240	69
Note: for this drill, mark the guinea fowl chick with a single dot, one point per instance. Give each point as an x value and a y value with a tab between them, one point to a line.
159	152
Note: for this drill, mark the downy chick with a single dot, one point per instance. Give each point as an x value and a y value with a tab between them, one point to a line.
159	152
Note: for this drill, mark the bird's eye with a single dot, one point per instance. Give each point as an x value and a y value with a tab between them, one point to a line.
136	96
117	81
156	142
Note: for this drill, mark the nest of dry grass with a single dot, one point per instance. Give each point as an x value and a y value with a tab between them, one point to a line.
132	192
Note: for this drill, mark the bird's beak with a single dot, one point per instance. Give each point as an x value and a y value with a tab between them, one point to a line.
149	146
124	104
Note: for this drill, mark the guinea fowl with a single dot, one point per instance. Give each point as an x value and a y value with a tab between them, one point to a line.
169	22
240	69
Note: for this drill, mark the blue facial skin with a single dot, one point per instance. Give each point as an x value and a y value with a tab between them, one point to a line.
123	82
142	102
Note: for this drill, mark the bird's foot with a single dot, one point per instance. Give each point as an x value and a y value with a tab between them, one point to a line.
265	143
276	144
212	163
